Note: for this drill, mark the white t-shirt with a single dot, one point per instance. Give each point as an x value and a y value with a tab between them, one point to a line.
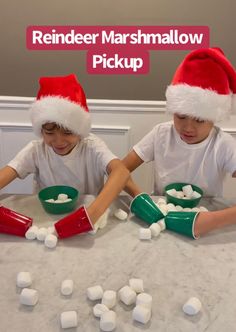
204	164
83	168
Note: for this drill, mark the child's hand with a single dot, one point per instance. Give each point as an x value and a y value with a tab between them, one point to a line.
144	208
73	224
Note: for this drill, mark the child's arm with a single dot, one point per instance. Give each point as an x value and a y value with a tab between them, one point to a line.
7	175
208	221
118	176
132	161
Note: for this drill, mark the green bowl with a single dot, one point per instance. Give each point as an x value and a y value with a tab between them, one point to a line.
53	192
185	203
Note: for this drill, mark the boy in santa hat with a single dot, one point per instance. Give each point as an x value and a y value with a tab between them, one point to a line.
68	153
191	149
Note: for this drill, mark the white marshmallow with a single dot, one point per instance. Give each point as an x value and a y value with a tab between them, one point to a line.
32	232
99	309
161	201
145	234
58	201
102	221
67	287
29	296
144	300
192	306
163	208
23	279
50	241
95	229
196	209
179	208
172	192
127	295
67	200
203	209
195	194
50	200
42	233
141	314
51	230
109	298
171	206
108	321
162	224
136	284
188	190
120	214
95	293
62	197
187	209
155	229
180	194
69	319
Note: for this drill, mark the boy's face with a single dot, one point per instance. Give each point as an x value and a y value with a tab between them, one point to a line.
192	130
62	141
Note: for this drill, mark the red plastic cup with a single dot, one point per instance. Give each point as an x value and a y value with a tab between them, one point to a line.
13	223
75	223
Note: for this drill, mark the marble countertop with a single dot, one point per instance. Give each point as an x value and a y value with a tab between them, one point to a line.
173	268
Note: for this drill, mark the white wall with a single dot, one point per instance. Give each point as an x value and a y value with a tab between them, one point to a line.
119	123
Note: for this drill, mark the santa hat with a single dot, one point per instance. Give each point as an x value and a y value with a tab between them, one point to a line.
63	101
204	86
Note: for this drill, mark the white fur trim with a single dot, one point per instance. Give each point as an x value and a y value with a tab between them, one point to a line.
62	111
197	102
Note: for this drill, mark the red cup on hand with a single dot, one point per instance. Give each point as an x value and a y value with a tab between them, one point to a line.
75	223
14	223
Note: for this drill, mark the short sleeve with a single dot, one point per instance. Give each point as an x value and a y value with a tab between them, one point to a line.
227	154
145	147
102	153
24	162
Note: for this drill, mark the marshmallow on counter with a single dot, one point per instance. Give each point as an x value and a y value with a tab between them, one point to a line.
109	298
67	287
179	208
187	209
192	306
42	233
95	229
162	224
95	292
141	314
50	241
62	197
31	233
188	190
127	295
163	208
51	230
23	279
196	209
121	214
145	234
144	300
108	321
102	221
99	309
29	296
155	229
69	319
136	284
171	207
203	209
161	201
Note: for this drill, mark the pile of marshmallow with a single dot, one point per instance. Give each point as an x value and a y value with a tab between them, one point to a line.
61	198
132	294
43	234
187	192
165	208
153	231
